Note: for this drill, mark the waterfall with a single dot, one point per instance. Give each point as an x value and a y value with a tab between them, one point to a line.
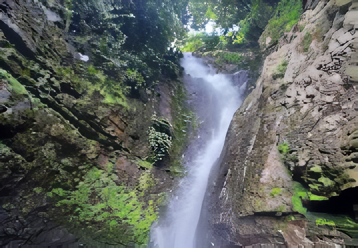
215	98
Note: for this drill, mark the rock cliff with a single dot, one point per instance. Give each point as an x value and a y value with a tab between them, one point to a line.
78	106
289	160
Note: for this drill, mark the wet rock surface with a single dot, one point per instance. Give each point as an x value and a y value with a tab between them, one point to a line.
54	128
311	108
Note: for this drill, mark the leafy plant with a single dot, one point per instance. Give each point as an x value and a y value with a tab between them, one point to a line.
283	148
254	23
13	85
285	16
200	42
160	139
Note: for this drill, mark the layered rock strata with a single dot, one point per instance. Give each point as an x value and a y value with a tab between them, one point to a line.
312	110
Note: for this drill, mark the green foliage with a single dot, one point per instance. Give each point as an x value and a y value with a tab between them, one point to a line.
9	45
184	123
113	90
226	12
210	14
299	192
307	40
159	142
145	164
280	70
327	181
322	222
26	72
145	182
229	58
285	16
306	194
254	23
275	191
160	138
339	222
316	168
68	13
283	148
134	76
313	197
105	210
200	42
14	85
132	38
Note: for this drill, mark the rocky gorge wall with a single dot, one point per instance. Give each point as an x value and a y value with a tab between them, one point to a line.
64	117
290	151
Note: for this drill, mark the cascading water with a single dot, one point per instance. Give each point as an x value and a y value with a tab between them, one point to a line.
217	99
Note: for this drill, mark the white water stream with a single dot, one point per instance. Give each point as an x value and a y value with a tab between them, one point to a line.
177	228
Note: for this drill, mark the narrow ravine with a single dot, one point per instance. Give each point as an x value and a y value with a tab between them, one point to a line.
215	98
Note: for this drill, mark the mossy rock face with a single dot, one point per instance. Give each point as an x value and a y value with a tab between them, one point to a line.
65	118
327	181
13	85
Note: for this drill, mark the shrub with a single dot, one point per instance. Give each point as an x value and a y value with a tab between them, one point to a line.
254	23
160	138
201	41
229	57
286	15
283	148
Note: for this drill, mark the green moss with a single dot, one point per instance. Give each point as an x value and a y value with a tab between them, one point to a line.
145	164
93	80
313	197
184	123
26	72
200	42
280	70
326	181
307	40
316	169
275	191
297	204
116	212
14	85
340	222
323	222
145	181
